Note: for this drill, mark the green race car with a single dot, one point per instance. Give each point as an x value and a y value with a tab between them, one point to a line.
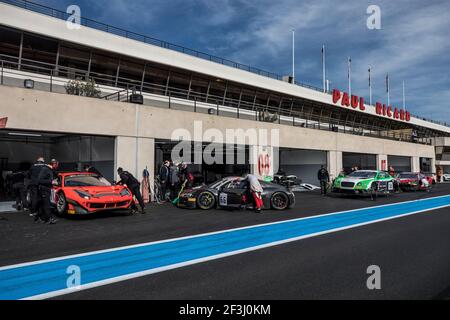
364	182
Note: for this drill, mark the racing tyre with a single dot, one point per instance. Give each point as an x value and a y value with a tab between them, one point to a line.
279	201
61	204
206	200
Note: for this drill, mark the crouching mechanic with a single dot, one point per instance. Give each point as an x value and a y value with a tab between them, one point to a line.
133	184
256	191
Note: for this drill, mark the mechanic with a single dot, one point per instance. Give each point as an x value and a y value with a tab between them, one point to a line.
46	181
256	191
164	173
91	169
186	177
18	186
174	180
134	185
34	186
324	178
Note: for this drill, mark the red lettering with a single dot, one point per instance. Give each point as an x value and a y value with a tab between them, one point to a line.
402	115
345	100
384	110
389	112
362	107
379	108
336	96
396	114
408	116
355	102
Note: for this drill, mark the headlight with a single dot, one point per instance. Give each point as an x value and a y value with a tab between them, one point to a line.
125	193
83	194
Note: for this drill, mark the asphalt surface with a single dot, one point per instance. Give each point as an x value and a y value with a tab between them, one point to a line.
412	252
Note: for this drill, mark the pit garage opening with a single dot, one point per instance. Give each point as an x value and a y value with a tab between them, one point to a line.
302	163
206	173
361	160
400	164
19	150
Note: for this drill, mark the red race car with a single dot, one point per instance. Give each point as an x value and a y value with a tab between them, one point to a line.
409	181
82	193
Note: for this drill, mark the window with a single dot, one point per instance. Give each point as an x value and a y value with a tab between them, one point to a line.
73	61
199	88
38	49
104	68
131	72
179	84
9	43
155	79
217	91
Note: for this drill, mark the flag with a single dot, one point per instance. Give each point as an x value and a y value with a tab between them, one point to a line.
370	77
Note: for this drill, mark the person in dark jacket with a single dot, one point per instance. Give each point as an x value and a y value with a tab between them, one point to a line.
45	183
164	173
18	186
324	178
174	180
34	185
134	185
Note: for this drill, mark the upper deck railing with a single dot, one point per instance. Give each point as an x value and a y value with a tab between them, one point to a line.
55	13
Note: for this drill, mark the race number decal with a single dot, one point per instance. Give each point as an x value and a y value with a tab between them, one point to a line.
390	186
223	200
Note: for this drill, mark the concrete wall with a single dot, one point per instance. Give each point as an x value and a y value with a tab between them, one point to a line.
52	112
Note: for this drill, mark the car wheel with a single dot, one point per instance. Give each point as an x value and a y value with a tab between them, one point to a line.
61	204
206	200
280	201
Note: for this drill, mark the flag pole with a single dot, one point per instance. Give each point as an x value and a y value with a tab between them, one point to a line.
293	56
324	69
370	85
350	76
388	88
404	97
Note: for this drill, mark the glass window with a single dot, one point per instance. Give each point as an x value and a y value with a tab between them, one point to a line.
179	84
104	68
155	79
217	91
9	43
199	88
73	61
233	95
39	49
131	72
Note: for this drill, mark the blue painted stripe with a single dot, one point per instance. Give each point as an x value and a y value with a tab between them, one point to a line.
44	277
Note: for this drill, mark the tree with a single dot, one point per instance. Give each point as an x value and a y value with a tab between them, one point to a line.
83	88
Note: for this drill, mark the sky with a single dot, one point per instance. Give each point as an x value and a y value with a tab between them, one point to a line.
412	45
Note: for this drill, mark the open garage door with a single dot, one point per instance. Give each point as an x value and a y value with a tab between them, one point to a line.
400	164
302	163
361	160
207	173
19	150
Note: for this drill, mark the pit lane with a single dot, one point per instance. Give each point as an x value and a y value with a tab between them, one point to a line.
23	241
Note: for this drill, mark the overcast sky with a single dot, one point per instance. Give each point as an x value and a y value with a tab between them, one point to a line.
413	44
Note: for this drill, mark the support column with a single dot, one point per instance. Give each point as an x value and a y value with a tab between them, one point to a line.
415	164
264	161
382	162
335	163
134	155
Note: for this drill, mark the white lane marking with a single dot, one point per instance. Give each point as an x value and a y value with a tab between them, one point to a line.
215	257
203	235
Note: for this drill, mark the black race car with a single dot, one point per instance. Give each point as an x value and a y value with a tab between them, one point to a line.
231	193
